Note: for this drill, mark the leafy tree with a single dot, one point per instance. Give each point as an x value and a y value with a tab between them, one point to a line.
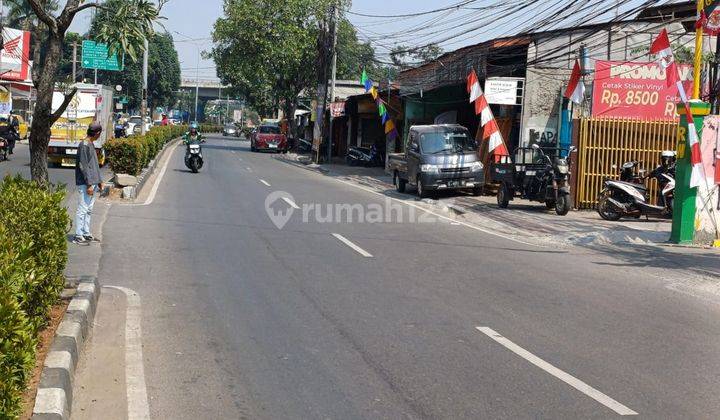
133	19
163	65
404	57
267	50
66	64
353	55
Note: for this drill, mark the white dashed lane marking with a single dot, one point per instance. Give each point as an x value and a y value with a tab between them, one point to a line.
560	374
349	243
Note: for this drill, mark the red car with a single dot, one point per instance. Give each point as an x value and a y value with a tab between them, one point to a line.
268	137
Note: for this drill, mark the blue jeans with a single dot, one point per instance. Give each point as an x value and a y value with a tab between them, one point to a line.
84	211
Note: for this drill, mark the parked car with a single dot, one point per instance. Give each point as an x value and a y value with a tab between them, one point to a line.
268	137
438	157
135	126
230	130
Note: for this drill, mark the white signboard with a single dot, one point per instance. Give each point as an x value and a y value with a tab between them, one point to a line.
237	115
503	90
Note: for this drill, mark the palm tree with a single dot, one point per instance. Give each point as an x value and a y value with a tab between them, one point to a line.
20	14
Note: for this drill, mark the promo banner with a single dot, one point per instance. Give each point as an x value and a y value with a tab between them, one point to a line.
636	90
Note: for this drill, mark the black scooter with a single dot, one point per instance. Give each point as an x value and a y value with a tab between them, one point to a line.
304	146
364	156
3	149
193	155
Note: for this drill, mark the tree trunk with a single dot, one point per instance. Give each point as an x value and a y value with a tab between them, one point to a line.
290	107
42	116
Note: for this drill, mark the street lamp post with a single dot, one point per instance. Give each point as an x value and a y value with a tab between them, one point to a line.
197	84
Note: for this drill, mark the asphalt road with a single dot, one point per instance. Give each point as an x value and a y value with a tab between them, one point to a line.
337	320
19	163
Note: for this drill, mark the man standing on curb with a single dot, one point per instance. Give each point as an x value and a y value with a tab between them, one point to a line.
88	181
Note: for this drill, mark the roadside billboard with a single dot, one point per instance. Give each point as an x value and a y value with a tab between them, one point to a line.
636	90
15	55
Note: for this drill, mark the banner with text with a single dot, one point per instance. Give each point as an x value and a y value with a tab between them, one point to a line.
636	90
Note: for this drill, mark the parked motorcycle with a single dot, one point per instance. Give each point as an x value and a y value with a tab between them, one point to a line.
121	130
3	149
364	156
304	146
629	196
534	175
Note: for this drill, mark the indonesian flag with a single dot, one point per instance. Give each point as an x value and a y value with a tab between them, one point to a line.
576	88
697	175
661	48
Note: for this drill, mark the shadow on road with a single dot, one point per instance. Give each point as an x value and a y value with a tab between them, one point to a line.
223	147
697	261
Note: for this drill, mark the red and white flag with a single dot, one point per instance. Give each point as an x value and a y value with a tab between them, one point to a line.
663	50
576	88
473	86
491	131
697	176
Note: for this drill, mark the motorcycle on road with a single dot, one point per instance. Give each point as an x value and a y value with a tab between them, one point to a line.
193	151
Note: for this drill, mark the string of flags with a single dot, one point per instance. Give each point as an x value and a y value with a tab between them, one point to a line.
387	122
663	50
491	131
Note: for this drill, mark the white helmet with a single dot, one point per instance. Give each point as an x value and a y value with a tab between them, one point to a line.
669	154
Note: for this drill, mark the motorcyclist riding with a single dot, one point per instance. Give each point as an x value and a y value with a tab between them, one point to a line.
193	135
193	153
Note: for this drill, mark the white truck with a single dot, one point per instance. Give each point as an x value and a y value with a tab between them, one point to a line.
91	103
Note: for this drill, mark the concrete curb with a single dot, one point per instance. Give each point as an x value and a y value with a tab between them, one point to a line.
55	392
147	172
307	166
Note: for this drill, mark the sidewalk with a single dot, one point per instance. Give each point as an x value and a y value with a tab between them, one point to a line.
522	218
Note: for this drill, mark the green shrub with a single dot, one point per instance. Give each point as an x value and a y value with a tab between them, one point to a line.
17	354
130	155
35	216
211	128
33	254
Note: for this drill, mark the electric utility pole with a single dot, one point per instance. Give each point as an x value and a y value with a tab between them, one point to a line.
335	20
75	45
144	104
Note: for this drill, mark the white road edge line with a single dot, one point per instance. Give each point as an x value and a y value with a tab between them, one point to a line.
137	400
440	216
347	242
560	374
156	185
265	182
291	203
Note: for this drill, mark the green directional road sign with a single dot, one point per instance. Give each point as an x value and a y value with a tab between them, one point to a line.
95	56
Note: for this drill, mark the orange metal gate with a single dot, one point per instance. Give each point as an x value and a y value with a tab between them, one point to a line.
606	143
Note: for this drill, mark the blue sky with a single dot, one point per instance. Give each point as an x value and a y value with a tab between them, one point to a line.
191	22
